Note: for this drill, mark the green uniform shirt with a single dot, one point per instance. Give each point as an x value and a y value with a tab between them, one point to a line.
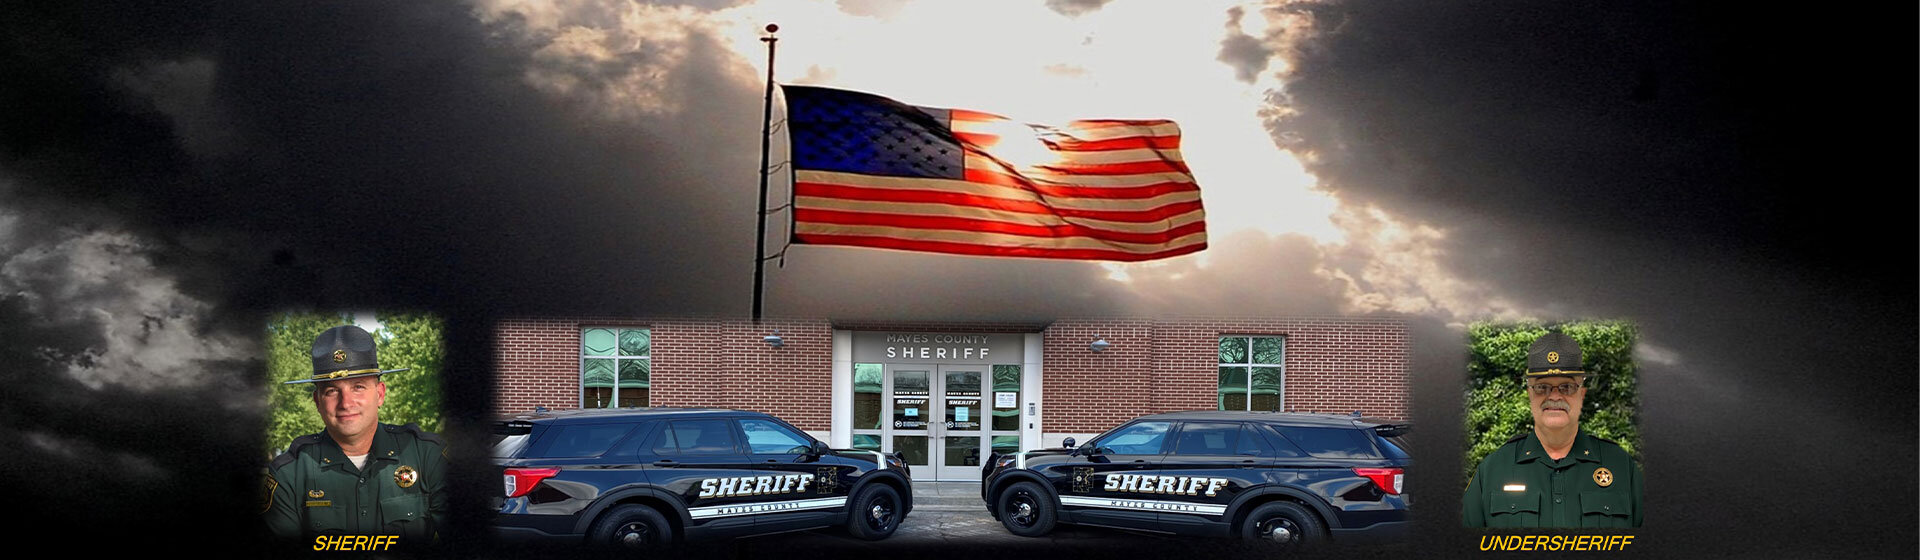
314	489
1596	485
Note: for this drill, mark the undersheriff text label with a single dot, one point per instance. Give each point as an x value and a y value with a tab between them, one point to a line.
1555	542
354	542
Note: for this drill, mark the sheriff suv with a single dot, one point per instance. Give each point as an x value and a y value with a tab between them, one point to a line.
654	476
1287	478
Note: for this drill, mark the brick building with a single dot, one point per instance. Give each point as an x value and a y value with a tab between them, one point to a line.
945	394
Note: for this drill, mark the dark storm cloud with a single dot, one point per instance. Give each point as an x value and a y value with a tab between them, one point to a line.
1076	8
1670	165
1246	54
167	174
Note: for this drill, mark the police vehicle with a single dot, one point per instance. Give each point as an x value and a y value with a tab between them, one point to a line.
1291	479
655	476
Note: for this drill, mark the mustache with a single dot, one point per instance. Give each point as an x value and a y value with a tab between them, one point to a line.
1553	405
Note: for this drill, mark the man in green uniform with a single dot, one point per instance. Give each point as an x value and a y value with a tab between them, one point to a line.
1555	475
358	477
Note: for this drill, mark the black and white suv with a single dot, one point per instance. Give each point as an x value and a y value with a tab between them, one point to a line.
648	477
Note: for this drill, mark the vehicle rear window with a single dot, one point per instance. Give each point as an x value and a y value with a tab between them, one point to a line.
1207	439
509	439
582	440
1395	447
697	437
1331	443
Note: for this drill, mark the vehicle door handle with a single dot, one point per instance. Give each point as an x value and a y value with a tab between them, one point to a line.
773	460
665	463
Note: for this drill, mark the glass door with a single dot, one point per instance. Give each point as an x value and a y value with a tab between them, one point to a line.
962	394
913	418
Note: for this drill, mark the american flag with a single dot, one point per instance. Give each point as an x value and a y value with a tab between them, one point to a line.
874	172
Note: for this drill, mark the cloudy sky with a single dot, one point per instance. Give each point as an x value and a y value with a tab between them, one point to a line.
1721	177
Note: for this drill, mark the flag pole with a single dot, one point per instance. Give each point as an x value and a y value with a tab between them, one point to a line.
766	145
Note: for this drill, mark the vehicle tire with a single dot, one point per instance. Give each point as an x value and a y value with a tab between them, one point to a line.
876	512
1285	525
1026	509
632	527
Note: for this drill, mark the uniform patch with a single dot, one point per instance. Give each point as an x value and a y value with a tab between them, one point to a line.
405	476
1603	477
270	485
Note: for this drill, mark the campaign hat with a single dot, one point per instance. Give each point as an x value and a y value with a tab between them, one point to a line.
1554	353
344	352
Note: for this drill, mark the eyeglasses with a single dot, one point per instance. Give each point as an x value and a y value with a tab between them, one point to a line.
1565	389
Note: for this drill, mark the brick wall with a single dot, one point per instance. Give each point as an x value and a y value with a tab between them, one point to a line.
1335	365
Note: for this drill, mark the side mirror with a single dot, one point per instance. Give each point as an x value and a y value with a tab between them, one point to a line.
1089	450
820	448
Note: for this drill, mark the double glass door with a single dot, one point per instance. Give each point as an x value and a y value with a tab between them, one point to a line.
939	419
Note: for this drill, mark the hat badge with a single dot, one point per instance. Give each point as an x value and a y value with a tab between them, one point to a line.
1552	357
339	356
1603	477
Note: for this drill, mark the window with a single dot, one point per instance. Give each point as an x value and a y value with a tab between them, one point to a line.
770	438
1252	372
867	398
1207	439
1006	379
697	437
1332	443
1145	438
584	440
1252	443
616	367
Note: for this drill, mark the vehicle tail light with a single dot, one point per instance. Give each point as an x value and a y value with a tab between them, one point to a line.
520	481
1390	480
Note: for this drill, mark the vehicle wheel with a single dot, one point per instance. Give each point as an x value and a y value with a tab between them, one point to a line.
1026	510
631	527
1286	525
876	512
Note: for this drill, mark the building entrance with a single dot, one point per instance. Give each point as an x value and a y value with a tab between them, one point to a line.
943	415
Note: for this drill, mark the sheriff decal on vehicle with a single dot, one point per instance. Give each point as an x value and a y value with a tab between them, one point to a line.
1152	484
754	485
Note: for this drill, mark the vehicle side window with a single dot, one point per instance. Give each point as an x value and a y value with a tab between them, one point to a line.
636	443
1198	438
1251	444
768	437
1145	438
1282	447
583	440
1331	443
697	437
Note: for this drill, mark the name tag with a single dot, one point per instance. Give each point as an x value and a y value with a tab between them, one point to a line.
319	503
1514	487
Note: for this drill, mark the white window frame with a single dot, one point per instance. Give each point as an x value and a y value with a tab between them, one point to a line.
580	384
1249	365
